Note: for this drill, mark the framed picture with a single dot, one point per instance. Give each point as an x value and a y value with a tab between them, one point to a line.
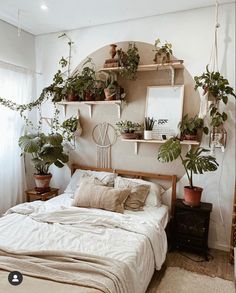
165	105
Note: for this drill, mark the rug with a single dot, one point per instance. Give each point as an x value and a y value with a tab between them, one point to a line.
182	281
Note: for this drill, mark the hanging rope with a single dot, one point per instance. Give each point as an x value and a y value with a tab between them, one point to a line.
214	52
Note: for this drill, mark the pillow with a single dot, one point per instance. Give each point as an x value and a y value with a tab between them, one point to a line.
90	195
106	177
138	195
154	196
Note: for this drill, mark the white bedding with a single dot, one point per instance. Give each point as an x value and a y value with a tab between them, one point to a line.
20	231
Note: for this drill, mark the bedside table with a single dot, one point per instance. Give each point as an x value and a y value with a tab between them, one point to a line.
190	227
32	193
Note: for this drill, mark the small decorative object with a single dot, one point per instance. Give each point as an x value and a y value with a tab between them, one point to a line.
128	129
148	127
194	163
189	127
163	54
129	61
45	151
104	135
113	50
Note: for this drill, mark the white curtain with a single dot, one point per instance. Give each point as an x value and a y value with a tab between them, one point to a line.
16	85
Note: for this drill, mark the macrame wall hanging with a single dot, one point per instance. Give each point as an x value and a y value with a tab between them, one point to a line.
104	135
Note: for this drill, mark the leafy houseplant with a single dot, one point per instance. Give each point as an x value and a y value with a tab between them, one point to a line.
45	150
129	61
148	127
194	162
127	129
190	126
69	127
163	53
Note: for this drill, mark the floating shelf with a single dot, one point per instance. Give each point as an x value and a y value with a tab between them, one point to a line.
90	104
137	141
178	64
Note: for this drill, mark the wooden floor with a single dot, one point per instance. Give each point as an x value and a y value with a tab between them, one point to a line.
217	266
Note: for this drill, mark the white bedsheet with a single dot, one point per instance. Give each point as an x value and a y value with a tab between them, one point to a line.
18	231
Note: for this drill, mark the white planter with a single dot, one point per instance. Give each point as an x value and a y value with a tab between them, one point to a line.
147	134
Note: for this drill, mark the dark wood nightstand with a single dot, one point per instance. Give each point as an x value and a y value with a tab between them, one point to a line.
32	193
190	227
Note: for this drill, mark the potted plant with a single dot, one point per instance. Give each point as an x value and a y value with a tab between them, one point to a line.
194	162
127	129
45	150
189	127
163	54
129	61
111	86
69	128
148	127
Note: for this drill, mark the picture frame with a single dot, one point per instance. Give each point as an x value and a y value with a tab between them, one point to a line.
165	105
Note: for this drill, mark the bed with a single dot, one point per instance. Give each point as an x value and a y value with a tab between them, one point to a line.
64	248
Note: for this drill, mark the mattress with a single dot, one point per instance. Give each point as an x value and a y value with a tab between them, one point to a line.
19	231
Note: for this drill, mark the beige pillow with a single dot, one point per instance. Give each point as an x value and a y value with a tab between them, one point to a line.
90	195
138	195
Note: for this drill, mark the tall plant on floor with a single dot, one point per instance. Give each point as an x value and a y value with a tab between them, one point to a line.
194	162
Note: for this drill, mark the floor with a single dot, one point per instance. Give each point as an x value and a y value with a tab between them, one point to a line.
217	266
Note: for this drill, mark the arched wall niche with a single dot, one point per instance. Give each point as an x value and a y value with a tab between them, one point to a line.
123	155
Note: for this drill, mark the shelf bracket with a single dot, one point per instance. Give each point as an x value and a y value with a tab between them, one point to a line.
118	110
136	147
172	70
90	110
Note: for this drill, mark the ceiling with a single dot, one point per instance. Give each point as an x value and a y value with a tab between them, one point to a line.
64	15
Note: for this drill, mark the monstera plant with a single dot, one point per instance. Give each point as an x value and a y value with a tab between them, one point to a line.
45	150
195	161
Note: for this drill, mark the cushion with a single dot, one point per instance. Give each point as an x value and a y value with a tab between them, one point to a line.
90	195
106	177
138	195
154	196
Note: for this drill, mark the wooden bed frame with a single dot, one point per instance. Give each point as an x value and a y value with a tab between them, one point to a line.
133	174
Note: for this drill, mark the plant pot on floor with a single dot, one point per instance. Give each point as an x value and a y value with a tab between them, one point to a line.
147	134
42	182
192	196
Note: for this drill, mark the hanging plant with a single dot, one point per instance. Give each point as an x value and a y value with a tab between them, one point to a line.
218	88
129	61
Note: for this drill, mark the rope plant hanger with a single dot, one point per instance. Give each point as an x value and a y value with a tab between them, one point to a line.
104	135
216	90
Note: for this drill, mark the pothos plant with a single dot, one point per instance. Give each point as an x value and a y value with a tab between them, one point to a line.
129	61
163	53
213	83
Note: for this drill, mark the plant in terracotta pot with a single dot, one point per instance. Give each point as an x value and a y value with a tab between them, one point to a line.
129	61
128	129
45	150
189	127
148	127
163	53
194	162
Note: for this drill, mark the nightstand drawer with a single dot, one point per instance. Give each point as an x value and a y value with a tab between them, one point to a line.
192	242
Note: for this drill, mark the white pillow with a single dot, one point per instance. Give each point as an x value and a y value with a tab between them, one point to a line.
154	196
106	178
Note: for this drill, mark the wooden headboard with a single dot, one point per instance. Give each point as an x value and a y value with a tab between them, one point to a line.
133	174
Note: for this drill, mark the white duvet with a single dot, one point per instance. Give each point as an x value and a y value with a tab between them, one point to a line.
137	238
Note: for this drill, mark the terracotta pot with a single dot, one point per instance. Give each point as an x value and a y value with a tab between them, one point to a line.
129	135
89	96
190	137
113	50
192	196
110	95
42	182
72	97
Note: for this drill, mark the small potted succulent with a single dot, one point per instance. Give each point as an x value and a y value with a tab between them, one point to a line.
128	129
189	127
194	162
163	54
148	127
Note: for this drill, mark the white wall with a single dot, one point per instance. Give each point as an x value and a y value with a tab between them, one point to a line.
191	33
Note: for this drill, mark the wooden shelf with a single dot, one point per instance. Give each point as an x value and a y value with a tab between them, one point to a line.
178	64
90	104
137	141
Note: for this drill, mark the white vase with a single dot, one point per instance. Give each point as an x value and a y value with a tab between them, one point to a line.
147	134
